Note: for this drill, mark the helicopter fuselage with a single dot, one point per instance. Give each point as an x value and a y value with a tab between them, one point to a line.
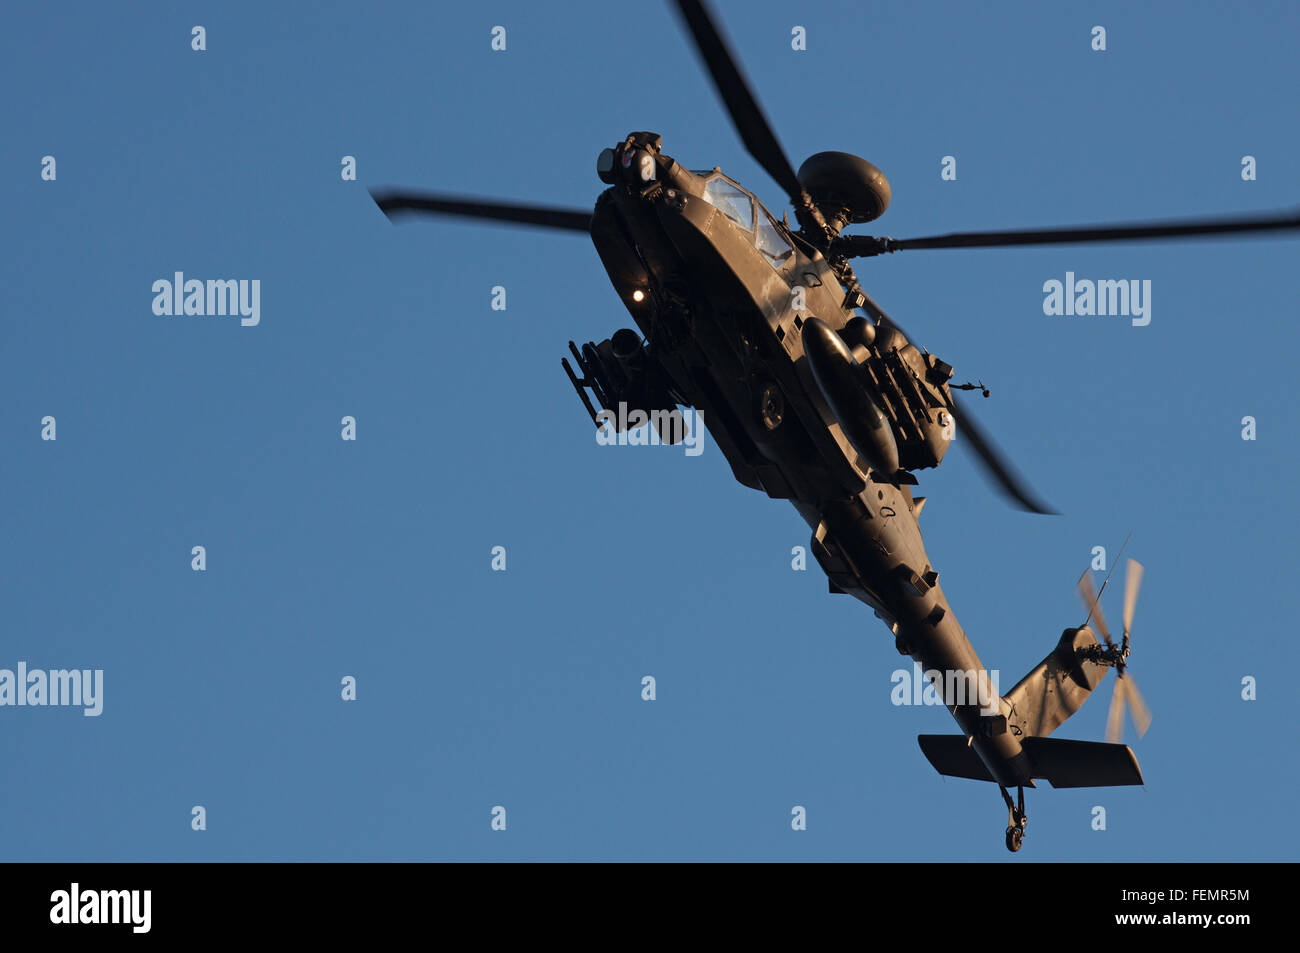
756	326
722	293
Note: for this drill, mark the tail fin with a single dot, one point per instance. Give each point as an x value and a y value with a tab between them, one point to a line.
1053	690
1060	762
1056	687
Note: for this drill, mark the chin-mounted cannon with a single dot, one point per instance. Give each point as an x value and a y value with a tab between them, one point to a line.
630	386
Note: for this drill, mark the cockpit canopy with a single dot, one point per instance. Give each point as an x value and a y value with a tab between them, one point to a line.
747	215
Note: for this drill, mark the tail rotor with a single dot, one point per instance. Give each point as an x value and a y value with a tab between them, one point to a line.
1126	696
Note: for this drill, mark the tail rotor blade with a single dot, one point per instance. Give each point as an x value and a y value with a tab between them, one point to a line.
1137	706
1132	581
1089	596
1115	718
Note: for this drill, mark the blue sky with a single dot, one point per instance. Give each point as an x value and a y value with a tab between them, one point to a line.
372	558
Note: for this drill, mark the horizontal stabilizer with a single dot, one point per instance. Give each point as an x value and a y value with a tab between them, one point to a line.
1065	763
952	756
1061	762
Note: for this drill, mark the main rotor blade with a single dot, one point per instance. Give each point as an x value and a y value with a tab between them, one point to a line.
746	115
995	463
1092	604
1132	581
393	204
985	450
862	246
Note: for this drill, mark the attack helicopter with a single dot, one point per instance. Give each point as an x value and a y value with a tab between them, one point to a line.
815	395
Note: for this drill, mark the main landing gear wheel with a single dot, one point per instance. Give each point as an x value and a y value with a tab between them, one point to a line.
1017	818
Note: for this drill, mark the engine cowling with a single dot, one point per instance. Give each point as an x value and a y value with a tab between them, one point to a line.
839	379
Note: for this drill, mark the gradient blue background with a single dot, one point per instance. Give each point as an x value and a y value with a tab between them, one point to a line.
522	688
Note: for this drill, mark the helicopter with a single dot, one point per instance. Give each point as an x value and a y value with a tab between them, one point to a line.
815	395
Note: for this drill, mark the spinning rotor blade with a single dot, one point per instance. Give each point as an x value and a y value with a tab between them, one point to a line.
995	464
393	204
992	459
746	115
1124	693
1137	706
862	246
1089	596
1132	580
1126	697
1115	716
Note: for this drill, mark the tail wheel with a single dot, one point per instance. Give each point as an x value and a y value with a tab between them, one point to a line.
1015	837
1016	819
